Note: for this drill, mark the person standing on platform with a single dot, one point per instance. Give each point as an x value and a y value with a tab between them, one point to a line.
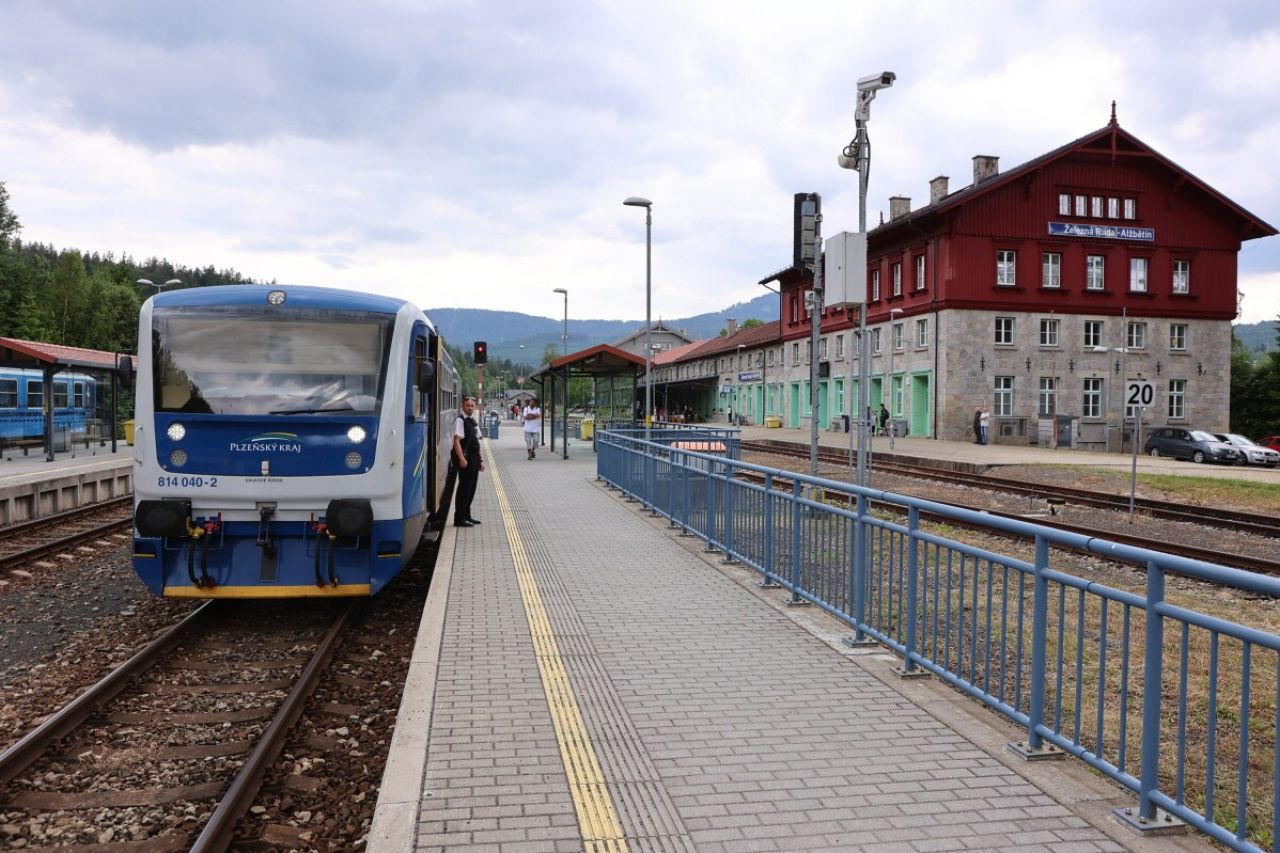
466	458
985	423
884	420
532	417
977	425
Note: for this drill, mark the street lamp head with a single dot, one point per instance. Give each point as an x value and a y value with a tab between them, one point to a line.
560	290
173	281
895	312
637	201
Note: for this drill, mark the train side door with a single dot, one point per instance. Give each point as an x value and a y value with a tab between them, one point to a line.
417	447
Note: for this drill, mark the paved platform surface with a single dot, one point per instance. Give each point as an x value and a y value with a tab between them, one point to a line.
587	680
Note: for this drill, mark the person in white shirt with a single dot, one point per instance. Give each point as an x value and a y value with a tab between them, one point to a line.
532	417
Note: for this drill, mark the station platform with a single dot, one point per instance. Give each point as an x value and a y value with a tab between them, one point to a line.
32	486
586	679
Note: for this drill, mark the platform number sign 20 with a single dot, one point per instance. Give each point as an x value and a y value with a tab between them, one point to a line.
1139	393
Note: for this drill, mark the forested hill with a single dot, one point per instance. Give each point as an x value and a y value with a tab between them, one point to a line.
508	331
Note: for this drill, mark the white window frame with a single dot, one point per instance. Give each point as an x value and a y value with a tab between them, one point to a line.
922	333
1113	208
1138	270
1050	331
1051	270
1095	207
875	341
1064	204
919	272
899	338
1002	389
1095	272
1047	397
1091	399
1004	331
897	278
1136	335
1181	275
1177	337
1177	399
1006	268
795	353
1130	208
839	347
1082	205
875	285
1093	330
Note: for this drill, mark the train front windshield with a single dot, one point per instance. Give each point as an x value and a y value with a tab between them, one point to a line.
290	362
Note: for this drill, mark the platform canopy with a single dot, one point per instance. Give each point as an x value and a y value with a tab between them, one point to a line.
600	362
52	359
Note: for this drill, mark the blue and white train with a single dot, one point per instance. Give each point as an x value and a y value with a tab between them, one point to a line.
22	403
289	441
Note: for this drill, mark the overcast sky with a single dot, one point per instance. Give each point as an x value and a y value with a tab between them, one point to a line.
476	154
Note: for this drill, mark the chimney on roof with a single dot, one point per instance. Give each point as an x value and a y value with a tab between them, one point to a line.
899	206
730	327
985	166
938	189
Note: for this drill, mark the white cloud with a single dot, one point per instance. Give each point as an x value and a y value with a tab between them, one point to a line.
477	154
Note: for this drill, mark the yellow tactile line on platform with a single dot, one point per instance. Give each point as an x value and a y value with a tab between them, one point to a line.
597	817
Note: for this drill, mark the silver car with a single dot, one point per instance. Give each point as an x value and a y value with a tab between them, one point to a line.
1254	454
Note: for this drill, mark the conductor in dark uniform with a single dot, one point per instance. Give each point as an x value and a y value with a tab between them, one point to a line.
466	457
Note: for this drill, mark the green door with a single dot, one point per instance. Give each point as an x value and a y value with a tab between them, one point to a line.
795	405
823	408
921	404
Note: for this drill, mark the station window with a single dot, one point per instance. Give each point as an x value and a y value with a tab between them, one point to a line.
897	279
1004	396
898	337
1064	204
1113	208
1082	205
822	349
1138	274
1182	276
1177	398
922	333
919	272
1049	332
1095	206
875	341
1091	405
1178	337
1136	336
1052	270
839	347
8	393
795	353
1004	331
1130	208
1048	402
1095	272
1092	334
875	285
1007	267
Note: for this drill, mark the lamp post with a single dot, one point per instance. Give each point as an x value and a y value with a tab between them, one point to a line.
637	201
737	385
857	155
893	397
564	338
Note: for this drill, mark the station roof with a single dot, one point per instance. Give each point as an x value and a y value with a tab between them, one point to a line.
35	354
599	360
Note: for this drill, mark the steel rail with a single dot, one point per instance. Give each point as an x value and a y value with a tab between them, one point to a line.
26	751
218	831
1240	522
20	557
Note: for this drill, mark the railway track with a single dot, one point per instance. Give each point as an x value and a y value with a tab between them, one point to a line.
1218	556
64	531
169	750
1240	522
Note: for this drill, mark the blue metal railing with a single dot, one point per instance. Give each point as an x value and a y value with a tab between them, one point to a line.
1080	664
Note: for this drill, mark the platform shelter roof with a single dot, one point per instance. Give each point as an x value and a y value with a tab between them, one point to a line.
37	354
599	360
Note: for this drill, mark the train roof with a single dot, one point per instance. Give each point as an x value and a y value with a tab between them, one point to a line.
295	294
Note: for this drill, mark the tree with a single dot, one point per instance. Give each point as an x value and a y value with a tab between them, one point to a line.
69	298
752	323
9	226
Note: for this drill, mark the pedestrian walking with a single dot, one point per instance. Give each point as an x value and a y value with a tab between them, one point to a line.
466	457
532	417
884	420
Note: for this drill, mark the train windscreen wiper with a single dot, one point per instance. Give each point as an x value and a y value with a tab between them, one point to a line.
317	410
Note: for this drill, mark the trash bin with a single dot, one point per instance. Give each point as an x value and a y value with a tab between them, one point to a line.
128	432
494	423
899	427
586	430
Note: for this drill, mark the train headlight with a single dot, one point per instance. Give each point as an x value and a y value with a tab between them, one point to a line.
276	297
176	432
354	460
356	434
178	458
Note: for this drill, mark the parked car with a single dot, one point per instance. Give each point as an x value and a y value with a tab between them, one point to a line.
1272	441
1254	454
1182	443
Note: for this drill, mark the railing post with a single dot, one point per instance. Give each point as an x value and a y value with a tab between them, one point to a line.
858	576
1034	747
769	580
729	491
712	510
796	516
909	669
